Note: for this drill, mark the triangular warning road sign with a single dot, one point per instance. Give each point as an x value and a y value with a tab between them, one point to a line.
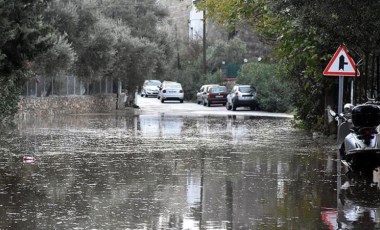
341	64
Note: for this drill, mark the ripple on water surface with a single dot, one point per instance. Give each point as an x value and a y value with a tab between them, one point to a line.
158	172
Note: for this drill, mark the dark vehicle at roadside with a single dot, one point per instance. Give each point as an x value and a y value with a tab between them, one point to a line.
202	91
215	95
242	96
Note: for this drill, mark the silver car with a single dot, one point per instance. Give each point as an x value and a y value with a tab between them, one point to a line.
242	96
170	91
150	88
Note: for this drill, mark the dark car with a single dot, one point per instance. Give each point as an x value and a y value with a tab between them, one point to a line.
202	91
242	96
215	95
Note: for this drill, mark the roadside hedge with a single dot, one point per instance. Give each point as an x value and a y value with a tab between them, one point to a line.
274	94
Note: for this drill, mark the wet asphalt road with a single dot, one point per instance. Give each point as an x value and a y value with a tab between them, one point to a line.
174	166
153	105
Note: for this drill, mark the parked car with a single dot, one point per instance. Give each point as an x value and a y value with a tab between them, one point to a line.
202	91
161	86
215	95
171	91
150	88
242	96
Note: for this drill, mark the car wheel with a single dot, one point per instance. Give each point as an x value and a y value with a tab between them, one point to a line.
162	100
233	106
142	95
228	106
146	95
253	108
180	101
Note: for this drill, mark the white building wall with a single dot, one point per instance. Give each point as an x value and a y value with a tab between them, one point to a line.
195	24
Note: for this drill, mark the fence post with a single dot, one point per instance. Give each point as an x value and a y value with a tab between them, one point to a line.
74	84
119	86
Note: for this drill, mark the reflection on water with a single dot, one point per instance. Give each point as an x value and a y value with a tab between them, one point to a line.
163	172
358	205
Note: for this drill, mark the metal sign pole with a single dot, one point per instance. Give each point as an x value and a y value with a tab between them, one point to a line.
340	99
338	162
352	91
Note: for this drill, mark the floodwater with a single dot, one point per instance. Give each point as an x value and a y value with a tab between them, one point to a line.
156	171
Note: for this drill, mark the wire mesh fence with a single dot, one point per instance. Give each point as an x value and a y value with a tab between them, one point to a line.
67	85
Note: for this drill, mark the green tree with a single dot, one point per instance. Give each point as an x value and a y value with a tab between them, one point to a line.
23	36
233	51
305	39
114	38
273	94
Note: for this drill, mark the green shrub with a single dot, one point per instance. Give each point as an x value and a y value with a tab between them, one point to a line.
189	78
273	94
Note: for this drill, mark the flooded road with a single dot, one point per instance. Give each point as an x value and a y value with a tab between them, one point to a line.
154	170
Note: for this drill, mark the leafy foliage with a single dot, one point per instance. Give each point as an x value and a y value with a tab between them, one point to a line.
273	94
305	39
230	13
92	39
232	52
23	36
59	58
115	38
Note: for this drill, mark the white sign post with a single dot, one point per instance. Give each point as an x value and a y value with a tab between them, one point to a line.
341	65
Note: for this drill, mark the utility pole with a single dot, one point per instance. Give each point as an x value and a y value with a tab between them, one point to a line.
204	43
177	47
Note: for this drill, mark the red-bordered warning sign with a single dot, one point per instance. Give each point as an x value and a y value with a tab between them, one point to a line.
341	64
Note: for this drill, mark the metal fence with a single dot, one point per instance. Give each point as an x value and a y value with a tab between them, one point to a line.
67	85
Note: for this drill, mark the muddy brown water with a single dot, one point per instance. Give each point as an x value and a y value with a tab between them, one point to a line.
156	171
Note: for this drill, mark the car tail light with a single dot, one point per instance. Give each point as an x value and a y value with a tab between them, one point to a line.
164	91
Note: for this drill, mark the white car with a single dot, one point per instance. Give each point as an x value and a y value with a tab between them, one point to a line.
171	91
150	88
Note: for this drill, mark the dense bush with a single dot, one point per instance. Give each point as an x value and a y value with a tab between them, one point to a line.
189	78
273	94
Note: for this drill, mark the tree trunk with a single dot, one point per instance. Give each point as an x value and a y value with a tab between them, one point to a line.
131	100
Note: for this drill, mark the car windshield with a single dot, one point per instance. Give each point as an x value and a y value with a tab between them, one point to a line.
218	89
247	89
152	83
